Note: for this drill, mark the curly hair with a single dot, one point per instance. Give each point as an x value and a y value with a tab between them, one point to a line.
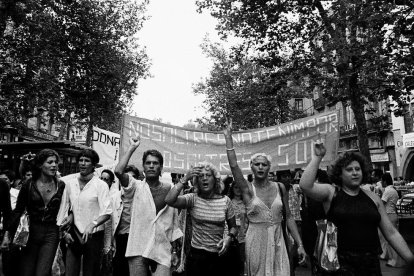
39	159
110	173
344	160
218	186
89	153
133	169
256	155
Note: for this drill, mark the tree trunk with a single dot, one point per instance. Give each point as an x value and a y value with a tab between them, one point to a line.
89	133
357	106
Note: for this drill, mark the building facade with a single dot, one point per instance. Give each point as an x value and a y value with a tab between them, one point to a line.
379	129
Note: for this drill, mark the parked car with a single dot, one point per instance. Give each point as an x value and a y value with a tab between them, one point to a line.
405	205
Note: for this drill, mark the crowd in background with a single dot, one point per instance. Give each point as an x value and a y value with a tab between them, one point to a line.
113	221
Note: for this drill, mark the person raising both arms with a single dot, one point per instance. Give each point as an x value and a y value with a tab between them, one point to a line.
266	251
356	213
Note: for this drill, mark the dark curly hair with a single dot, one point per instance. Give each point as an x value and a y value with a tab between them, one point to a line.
344	160
110	173
89	153
133	169
39	159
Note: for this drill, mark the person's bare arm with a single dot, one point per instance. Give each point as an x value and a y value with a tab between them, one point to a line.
390	233
292	227
173	197
244	185
123	162
317	191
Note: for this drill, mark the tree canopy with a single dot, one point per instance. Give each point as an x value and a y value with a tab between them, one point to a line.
238	87
80	60
353	51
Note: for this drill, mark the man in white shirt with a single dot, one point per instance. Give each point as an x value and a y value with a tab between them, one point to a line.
154	225
88	199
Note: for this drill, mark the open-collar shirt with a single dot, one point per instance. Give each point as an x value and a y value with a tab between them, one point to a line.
150	234
87	204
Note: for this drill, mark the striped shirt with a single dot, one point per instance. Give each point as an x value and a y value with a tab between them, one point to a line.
208	219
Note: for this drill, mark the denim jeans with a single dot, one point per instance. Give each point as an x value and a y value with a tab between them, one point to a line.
37	257
91	252
141	266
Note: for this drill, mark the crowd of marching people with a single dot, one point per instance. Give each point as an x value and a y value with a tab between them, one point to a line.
113	221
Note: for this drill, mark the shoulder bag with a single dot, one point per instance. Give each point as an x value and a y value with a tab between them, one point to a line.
22	234
327	244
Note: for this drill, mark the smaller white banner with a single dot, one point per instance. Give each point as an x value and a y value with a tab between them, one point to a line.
408	140
106	144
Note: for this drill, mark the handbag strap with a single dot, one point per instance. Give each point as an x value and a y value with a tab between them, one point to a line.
283	203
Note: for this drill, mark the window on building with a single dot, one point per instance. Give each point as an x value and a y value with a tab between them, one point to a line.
299	104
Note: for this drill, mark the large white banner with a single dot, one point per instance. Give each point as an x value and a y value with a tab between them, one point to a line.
290	145
106	144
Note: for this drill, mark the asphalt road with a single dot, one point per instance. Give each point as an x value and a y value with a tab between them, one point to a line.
386	271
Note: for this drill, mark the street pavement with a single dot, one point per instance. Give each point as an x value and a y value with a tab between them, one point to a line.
386	270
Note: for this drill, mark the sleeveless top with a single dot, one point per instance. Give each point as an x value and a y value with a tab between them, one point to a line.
357	219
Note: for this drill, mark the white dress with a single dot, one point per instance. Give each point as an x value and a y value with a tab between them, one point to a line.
266	253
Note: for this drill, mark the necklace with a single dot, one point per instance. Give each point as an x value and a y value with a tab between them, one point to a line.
46	187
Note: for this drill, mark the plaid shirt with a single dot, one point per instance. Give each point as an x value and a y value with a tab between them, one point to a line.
295	201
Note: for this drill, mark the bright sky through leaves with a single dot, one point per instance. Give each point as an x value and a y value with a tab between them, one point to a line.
172	36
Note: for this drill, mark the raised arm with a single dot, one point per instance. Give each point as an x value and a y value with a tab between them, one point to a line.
123	162
244	185
316	191
173	197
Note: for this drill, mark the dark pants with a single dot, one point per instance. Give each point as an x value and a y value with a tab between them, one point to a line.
91	252
233	260
204	263
10	260
120	262
37	257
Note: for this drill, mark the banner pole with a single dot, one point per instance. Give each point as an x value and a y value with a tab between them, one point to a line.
121	151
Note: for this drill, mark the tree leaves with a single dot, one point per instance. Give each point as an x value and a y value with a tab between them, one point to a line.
351	50
239	88
78	56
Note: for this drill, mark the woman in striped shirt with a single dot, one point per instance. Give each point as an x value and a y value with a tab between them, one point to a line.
209	212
